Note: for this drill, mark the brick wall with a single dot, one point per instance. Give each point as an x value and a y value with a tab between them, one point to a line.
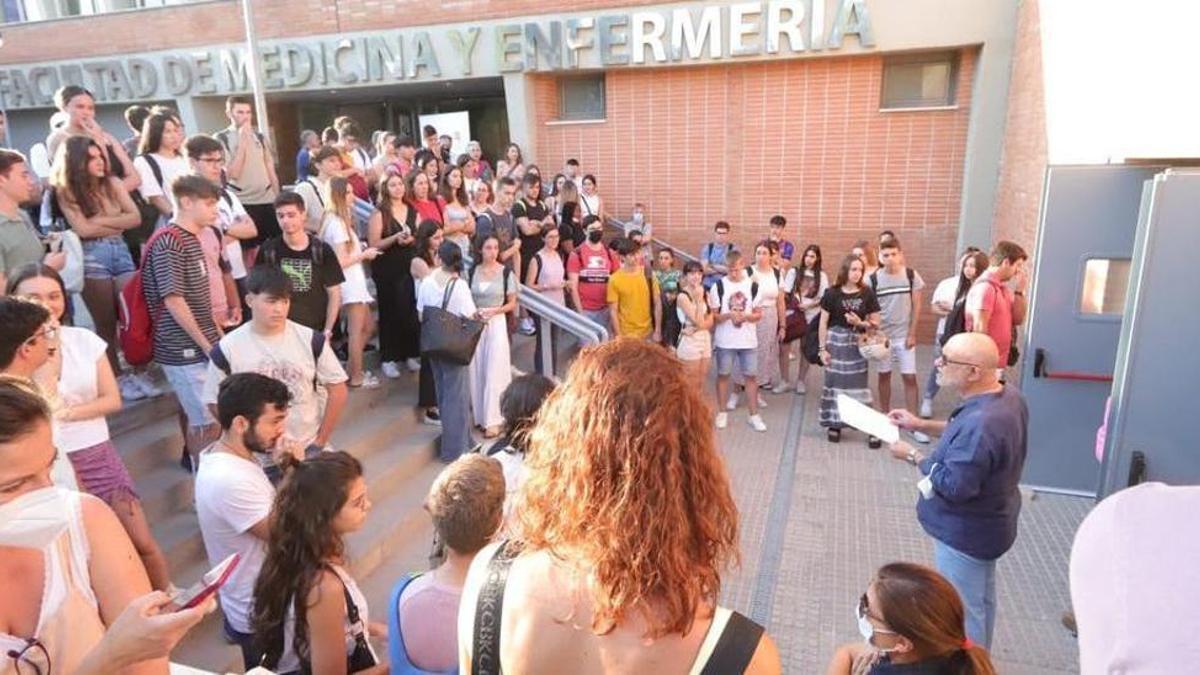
804	138
1023	164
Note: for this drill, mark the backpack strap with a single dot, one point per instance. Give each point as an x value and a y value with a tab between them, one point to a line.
537	277
316	191
875	281
489	610
317	344
218	359
734	646
908	272
720	286
155	169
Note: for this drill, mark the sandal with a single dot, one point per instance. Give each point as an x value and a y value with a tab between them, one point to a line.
833	435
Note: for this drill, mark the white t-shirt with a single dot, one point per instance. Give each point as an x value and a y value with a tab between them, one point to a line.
233	495
768	286
433	287
286	357
172	168
736	297
229	209
77	384
946	290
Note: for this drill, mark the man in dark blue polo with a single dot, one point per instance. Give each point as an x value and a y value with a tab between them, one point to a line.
969	496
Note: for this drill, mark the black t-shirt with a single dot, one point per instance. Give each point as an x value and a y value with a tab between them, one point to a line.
536	213
837	302
311	273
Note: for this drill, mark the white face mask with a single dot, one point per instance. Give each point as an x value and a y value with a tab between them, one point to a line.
35	519
867	631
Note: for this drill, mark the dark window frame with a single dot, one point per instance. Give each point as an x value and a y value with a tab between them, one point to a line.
952	58
565	115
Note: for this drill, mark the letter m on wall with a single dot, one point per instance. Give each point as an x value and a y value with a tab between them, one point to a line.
234	70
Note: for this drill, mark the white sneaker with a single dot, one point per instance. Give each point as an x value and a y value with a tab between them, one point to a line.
801	388
731	404
130	391
413	365
149	389
926	408
756	423
390	369
921	437
722	420
527	327
370	381
781	388
762	402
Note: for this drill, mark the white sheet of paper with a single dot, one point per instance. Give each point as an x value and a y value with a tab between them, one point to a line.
867	419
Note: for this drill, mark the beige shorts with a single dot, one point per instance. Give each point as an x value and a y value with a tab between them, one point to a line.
695	347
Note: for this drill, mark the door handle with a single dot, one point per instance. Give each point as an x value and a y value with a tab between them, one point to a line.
1040	370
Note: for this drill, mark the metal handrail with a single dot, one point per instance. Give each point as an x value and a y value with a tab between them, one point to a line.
548	314
656	243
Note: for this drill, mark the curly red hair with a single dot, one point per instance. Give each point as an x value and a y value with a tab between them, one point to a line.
625	478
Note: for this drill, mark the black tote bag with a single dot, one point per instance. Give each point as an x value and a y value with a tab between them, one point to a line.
448	336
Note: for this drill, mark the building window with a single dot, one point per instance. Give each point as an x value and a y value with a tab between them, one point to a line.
28	11
919	80
1105	282
581	98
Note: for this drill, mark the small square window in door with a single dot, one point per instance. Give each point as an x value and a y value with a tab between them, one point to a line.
1105	281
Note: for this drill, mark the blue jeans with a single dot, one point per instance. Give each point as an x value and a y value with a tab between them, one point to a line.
931	384
107	258
452	382
975	581
251	656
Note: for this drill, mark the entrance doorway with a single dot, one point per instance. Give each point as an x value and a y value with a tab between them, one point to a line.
397	108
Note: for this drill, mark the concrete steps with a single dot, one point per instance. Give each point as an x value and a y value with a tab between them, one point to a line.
381	427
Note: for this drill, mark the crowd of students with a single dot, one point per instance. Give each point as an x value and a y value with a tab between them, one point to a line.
257	295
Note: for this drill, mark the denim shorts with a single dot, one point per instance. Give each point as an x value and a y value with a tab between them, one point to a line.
188	383
746	359
107	258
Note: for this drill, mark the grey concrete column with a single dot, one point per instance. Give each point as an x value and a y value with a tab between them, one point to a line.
518	100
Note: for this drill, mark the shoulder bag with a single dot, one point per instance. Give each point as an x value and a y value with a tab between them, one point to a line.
448	336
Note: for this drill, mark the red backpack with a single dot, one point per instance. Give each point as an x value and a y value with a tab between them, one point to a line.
136	329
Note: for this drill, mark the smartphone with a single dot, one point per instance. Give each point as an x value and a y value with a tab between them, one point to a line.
208	584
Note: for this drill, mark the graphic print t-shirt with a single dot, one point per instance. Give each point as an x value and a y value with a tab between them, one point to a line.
735	296
594	266
837	302
309	279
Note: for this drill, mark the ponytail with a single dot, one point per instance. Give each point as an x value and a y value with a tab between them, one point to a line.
976	660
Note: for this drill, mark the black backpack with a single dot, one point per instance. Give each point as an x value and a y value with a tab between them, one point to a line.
720	286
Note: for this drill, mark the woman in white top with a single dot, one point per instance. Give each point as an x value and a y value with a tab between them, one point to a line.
322	500
950	292
494	290
546	273
770	328
585	594
696	322
427	242
356	299
160	161
590	203
806	283
80	378
443	288
68	567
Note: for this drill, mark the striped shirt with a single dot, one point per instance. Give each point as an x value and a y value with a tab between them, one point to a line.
175	265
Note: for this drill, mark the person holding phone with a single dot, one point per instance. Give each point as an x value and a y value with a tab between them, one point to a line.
392	230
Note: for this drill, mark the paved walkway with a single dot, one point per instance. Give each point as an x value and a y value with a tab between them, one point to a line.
818	518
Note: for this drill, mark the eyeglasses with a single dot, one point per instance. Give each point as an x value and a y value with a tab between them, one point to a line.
49	332
943	360
864	612
34	655
211	160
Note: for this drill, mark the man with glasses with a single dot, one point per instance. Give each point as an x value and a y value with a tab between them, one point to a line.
969	499
207	158
712	255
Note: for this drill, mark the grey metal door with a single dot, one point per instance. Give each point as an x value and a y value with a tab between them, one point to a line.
1085	244
1155	409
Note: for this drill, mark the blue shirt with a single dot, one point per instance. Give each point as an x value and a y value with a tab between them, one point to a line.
714	254
975	471
302	160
